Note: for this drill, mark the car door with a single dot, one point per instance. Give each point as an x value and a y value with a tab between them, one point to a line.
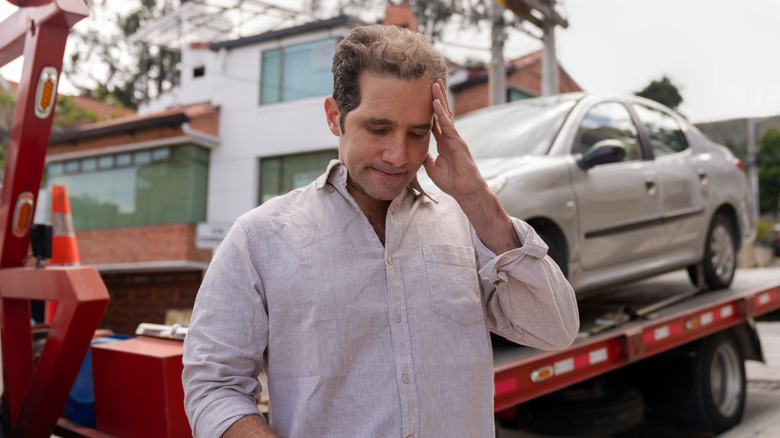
683	181
618	204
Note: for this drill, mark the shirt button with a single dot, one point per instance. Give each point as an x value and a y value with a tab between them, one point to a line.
405	378
330	189
389	260
397	318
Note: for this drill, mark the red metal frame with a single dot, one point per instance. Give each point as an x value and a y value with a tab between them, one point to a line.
514	382
34	395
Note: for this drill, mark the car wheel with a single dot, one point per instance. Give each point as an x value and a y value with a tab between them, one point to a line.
557	249
720	253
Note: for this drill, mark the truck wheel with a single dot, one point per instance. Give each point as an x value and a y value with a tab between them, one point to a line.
720	253
715	399
597	406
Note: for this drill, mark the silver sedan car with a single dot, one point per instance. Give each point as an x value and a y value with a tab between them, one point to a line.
620	187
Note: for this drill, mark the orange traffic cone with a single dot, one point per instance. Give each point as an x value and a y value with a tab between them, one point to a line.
64	251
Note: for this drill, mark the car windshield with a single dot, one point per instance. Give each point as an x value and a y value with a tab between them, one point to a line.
518	129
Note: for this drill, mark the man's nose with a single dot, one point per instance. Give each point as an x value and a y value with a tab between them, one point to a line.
395	151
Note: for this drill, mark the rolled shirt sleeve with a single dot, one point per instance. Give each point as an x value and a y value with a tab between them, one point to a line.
528	299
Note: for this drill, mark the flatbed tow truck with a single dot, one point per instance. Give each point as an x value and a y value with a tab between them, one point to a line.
657	349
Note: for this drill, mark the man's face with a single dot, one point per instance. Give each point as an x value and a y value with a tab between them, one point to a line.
385	138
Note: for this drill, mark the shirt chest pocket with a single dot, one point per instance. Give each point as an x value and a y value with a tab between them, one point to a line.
453	283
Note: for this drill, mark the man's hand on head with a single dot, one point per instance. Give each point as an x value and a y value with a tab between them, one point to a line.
455	173
453	170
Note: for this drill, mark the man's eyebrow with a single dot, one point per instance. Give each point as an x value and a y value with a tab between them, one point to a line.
424	126
378	121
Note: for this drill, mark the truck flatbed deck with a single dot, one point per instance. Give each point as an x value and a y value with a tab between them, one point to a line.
523	373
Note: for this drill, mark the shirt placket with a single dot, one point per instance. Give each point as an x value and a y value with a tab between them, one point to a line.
399	322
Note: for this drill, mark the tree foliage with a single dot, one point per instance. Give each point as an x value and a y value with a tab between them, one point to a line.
432	15
663	91
769	171
126	74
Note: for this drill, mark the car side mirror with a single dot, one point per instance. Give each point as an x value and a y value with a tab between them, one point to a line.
603	152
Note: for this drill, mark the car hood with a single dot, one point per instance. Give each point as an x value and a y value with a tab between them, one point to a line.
488	167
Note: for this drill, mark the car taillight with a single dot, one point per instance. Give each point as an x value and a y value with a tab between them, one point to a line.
738	163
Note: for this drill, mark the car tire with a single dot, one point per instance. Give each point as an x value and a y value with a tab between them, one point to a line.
556	249
720	254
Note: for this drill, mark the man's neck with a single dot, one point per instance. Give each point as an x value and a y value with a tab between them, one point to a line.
375	210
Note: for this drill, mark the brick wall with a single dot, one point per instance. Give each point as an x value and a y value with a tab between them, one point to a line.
140	244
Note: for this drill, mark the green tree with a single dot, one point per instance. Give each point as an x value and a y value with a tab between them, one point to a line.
126	74
663	91
769	171
432	15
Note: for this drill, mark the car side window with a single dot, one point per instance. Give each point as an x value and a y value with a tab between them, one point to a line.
609	121
666	135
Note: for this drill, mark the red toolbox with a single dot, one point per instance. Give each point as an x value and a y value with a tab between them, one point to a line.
138	391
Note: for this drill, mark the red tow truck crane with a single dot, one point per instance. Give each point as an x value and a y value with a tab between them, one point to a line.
34	395
653	348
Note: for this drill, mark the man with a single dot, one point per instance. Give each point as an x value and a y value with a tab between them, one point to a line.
367	302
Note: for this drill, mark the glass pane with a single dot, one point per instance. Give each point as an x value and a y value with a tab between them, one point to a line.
88	164
270	81
514	95
526	128
307	70
55	169
142	157
279	175
666	136
72	166
106	162
123	160
160	154
155	193
609	121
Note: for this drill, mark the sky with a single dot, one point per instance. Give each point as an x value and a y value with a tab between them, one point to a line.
721	54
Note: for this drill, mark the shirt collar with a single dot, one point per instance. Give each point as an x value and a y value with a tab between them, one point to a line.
336	175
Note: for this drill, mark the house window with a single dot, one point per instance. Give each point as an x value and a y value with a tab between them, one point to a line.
297	72
279	175
147	187
513	94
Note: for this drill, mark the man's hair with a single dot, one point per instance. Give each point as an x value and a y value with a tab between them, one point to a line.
383	50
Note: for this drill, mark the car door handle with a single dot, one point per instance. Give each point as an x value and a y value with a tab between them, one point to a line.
702	175
650	185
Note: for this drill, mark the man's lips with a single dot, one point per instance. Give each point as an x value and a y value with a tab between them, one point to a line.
389	174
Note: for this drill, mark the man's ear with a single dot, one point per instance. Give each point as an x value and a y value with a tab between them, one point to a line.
332	115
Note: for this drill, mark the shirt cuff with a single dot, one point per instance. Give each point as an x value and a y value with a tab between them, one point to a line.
532	247
217	418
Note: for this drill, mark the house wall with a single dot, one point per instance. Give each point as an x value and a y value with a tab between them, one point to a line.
250	131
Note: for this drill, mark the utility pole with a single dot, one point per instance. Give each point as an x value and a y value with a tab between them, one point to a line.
497	70
542	14
549	59
753	163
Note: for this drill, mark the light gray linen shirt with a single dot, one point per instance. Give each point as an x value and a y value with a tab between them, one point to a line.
360	339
